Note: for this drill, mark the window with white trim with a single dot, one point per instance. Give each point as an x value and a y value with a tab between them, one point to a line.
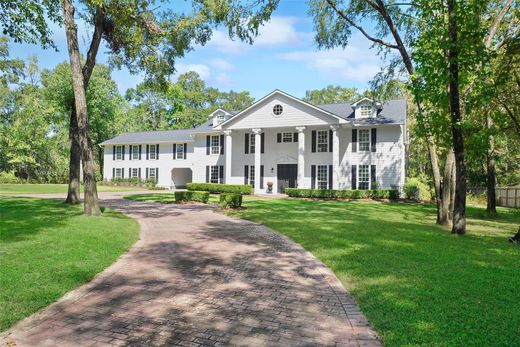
252	175
322	177
221	117
213	175
119	173
322	141
152	173
277	110
135	152
179	151
119	152
134	173
152	152
364	140
363	177
365	111
252	143
287	137
215	144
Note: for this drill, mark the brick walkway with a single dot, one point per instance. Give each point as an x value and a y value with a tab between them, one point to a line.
197	278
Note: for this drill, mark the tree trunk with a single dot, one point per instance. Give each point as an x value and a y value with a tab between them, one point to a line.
434	160
452	191
446	190
91	206
73	194
459	207
491	170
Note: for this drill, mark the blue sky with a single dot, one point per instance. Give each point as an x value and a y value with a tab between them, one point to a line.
284	56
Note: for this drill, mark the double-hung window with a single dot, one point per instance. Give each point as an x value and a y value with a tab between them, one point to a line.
322	177
287	137
135	152
322	141
119	172
365	111
179	151
152	173
152	152
119	152
252	175
213	177
215	145
364	177
252	143
134	173
364	140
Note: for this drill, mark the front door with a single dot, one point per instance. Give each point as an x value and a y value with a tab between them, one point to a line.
287	175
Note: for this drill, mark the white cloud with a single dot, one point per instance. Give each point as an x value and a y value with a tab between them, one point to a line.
201	69
221	64
223	79
355	63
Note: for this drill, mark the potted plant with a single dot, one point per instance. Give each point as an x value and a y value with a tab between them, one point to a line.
269	187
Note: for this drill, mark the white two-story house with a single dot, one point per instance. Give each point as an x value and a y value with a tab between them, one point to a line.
279	139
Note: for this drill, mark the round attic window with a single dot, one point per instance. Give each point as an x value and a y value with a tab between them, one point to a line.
277	110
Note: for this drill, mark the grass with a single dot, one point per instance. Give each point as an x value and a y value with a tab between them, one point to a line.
55	188
48	248
417	284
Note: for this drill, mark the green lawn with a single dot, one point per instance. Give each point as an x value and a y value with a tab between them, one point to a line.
48	248
417	284
55	188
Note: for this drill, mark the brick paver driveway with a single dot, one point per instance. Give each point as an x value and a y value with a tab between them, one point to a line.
197	278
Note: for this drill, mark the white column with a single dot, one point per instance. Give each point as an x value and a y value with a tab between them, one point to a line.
258	140
335	156
301	156
228	151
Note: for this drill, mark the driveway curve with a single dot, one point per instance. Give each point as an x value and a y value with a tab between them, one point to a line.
198	278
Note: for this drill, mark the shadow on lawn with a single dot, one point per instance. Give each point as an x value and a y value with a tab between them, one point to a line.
235	284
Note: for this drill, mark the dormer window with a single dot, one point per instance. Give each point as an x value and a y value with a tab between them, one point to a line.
365	111
220	118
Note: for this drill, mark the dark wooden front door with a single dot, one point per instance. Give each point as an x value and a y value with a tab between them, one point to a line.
287	175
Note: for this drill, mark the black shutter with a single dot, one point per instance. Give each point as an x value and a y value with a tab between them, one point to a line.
221	174
113	152
122	173
185	150
354	140
147	152
113	172
157	152
174	151
156	174
373	179
313	141
330	177
221	144
373	139
124	152
313	176
208	144
146	173
139	172
246	174
129	172
261	177
207	173
279	137
130	150
262	146
295	137
354	180
140	150
330	141
246	142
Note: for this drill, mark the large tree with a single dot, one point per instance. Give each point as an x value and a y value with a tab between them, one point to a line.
331	95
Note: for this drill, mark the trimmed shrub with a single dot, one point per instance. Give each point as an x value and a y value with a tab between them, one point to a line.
415	189
191	195
216	188
342	194
230	200
134	182
9	177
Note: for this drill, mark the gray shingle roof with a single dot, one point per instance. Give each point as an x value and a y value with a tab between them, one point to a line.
392	112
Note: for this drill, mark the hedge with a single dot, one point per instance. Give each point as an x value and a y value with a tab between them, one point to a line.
191	195
230	200
137	182
342	194
216	188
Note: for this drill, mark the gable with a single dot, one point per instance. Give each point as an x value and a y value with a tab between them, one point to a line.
295	113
